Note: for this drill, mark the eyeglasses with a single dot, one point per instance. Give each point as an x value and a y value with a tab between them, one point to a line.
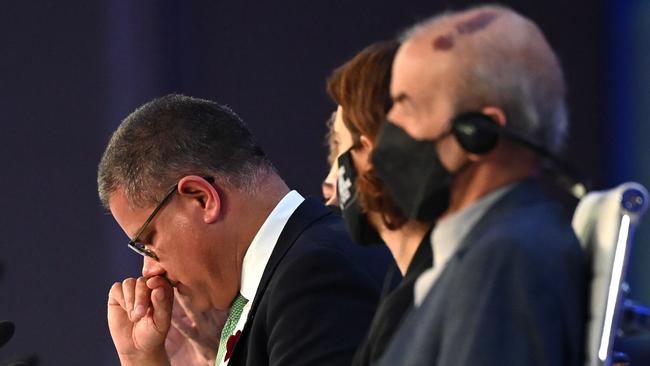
135	244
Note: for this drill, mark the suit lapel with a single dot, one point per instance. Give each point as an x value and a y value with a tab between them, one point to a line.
309	211
525	193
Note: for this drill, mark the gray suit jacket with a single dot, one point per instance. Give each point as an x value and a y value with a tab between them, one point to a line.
513	294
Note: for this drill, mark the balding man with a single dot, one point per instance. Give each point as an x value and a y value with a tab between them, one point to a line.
507	285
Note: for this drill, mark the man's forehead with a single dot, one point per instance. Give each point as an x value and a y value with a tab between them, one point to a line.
417	67
414	47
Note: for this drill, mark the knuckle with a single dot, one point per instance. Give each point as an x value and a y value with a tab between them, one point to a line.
127	282
115	288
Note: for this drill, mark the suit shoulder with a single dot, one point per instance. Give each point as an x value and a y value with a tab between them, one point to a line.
543	227
327	240
534	239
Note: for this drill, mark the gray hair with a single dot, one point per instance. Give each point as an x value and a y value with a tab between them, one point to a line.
174	136
503	60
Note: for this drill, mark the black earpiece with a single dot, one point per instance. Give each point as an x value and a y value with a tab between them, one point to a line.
476	132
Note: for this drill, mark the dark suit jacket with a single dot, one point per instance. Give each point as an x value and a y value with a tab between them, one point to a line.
513	294
393	307
317	296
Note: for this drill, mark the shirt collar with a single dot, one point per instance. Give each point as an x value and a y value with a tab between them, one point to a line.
449	232
447	236
259	252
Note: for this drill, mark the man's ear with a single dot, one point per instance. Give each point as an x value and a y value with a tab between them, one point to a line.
203	194
496	114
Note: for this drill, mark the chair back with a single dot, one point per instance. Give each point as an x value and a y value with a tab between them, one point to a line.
605	222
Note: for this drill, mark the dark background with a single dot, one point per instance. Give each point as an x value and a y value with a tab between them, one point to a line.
70	71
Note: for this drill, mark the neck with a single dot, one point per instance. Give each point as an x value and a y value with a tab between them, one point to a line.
254	208
402	242
486	176
244	216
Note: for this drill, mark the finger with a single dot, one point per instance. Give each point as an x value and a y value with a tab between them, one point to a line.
118	318
142	299
162	299
128	294
157	281
116	296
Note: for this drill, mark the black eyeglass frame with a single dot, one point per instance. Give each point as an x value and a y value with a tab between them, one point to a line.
139	247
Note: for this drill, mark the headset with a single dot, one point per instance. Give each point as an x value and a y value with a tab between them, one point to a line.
477	133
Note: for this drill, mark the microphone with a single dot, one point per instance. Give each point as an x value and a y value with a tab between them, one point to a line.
26	361
7	329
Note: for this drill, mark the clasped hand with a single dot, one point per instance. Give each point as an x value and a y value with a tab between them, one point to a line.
151	325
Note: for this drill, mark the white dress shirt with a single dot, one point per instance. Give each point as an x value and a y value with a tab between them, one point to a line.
259	252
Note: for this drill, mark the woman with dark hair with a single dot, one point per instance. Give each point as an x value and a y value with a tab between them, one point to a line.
360	87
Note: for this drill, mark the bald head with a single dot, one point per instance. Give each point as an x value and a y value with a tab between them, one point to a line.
489	56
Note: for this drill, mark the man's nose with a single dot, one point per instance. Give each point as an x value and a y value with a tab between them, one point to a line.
151	267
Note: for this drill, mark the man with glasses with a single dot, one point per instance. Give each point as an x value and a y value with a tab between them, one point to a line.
219	229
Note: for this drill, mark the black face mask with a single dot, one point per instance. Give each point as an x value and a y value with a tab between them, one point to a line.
356	221
412	172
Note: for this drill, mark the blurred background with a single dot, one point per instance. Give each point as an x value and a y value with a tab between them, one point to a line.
71	70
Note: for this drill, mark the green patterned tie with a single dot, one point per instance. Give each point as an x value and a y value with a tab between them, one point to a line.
236	309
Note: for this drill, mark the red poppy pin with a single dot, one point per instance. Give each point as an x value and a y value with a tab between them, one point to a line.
230	345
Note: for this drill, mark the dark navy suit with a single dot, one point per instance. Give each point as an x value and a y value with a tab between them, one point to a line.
317	296
513	293
393	307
